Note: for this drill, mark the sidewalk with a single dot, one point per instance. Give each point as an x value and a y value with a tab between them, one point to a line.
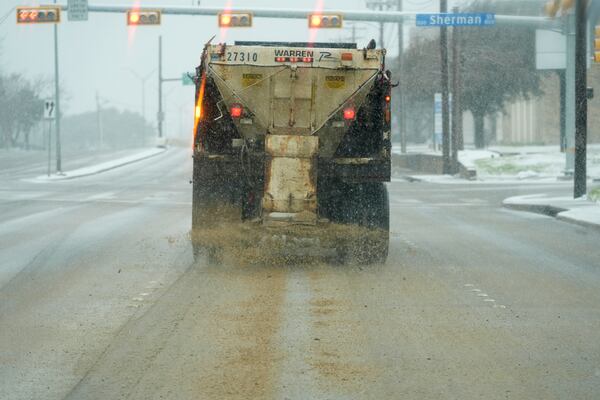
580	211
99	168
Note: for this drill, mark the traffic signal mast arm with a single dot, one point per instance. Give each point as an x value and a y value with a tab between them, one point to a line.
372	16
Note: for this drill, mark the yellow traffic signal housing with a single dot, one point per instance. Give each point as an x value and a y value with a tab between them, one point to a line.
597	44
566	5
552	7
325	21
38	15
143	17
235	20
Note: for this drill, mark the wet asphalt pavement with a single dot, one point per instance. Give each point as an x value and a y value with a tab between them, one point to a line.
100	298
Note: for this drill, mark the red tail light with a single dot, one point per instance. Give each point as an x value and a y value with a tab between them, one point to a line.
349	113
236	110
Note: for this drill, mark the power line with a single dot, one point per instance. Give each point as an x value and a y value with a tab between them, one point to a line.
5	16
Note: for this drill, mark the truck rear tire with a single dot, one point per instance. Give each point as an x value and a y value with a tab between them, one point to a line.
372	210
215	201
367	206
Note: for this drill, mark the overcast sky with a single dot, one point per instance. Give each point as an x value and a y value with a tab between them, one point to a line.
98	56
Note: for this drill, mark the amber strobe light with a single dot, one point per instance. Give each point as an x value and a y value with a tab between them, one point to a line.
143	17
38	15
324	21
235	20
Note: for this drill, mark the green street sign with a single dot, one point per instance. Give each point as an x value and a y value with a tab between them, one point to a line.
186	79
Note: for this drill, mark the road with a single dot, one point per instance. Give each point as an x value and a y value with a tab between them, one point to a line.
100	298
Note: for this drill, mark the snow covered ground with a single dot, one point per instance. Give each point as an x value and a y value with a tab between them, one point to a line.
518	163
531	162
99	168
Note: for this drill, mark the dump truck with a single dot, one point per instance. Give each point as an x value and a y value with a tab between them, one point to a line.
292	139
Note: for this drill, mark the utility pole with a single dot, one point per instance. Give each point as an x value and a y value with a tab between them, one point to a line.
401	103
57	99
445	92
381	29
161	116
580	188
381	5
570	81
99	122
143	80
456	94
562	77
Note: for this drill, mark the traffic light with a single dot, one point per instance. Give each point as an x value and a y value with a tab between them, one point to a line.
321	21
597	44
235	20
552	7
38	15
143	17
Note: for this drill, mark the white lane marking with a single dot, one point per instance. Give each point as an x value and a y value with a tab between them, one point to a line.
484	296
137	299
101	196
403	201
144	294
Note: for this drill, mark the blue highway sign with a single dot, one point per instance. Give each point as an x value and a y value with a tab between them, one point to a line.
451	19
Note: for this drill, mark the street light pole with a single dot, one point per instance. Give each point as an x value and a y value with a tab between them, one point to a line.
160	83
401	103
57	99
143	80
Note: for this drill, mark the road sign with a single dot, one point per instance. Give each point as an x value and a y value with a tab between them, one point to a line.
78	10
437	119
456	19
49	109
187	79
551	49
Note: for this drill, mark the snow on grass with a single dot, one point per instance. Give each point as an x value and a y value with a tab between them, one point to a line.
527	162
594	195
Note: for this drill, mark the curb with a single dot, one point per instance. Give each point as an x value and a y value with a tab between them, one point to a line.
544	209
45	179
579	222
551	211
411	179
